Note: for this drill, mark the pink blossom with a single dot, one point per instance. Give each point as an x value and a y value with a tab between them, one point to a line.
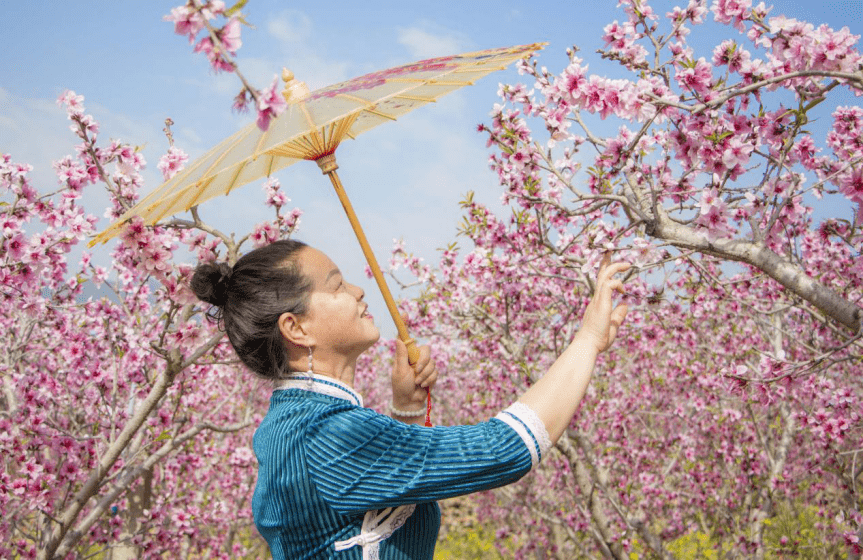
851	185
264	234
241	101
172	162
696	78
731	54
16	246
731	11
230	35
74	103
270	104
72	173
713	215
100	275
736	153
275	196
218	61
572	82
187	21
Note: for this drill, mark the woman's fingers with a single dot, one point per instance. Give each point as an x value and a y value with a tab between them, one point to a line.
617	317
426	372
614	285
606	284
428	377
602	319
423	358
607	272
401	357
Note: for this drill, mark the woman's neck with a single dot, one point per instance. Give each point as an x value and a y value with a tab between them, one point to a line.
340	368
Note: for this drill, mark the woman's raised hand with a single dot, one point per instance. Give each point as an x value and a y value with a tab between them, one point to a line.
601	321
410	384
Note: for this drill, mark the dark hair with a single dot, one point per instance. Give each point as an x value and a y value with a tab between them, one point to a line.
261	286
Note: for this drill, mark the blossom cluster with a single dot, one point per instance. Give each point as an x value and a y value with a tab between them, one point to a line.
192	18
711	158
85	367
220	46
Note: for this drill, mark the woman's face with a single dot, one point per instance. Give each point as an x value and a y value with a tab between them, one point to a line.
336	317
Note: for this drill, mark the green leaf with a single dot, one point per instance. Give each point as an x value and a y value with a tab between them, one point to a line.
236	7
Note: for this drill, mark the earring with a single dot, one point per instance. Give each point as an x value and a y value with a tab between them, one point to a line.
310	361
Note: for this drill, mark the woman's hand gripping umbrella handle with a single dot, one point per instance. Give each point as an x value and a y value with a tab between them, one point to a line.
329	166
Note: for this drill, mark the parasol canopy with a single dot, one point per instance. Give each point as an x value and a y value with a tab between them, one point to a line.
312	126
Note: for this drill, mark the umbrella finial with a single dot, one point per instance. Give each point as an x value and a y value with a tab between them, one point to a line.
295	90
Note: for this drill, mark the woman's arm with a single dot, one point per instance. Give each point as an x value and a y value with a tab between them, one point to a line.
556	396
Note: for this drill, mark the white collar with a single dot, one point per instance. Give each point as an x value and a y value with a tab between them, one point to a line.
319	384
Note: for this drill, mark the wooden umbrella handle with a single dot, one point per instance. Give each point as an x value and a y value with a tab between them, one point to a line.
328	166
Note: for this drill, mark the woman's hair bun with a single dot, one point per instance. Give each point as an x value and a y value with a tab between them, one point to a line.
210	282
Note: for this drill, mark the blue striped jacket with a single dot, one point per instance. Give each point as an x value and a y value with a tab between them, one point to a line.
329	469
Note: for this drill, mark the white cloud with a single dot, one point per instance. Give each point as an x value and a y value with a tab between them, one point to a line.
35	131
301	50
423	43
291	26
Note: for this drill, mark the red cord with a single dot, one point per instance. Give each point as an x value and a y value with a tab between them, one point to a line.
428	408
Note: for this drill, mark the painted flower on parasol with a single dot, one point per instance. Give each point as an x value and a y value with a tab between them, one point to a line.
311	128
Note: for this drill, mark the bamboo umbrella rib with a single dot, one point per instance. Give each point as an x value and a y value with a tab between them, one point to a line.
317	142
261	140
289	150
165	207
311	146
233	182
333	135
429	82
270	164
298	149
313	127
379	114
360	100
166	199
416	98
324	140
407	80
451	83
340	129
171	208
202	186
484	69
106	235
226	151
311	141
367	106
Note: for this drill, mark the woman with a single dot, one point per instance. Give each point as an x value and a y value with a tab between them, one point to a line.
336	480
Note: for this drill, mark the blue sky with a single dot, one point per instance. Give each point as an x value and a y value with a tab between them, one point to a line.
405	179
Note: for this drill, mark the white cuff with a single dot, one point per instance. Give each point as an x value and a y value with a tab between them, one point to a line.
529	427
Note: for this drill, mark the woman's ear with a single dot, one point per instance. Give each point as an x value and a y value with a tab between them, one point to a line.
294	331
